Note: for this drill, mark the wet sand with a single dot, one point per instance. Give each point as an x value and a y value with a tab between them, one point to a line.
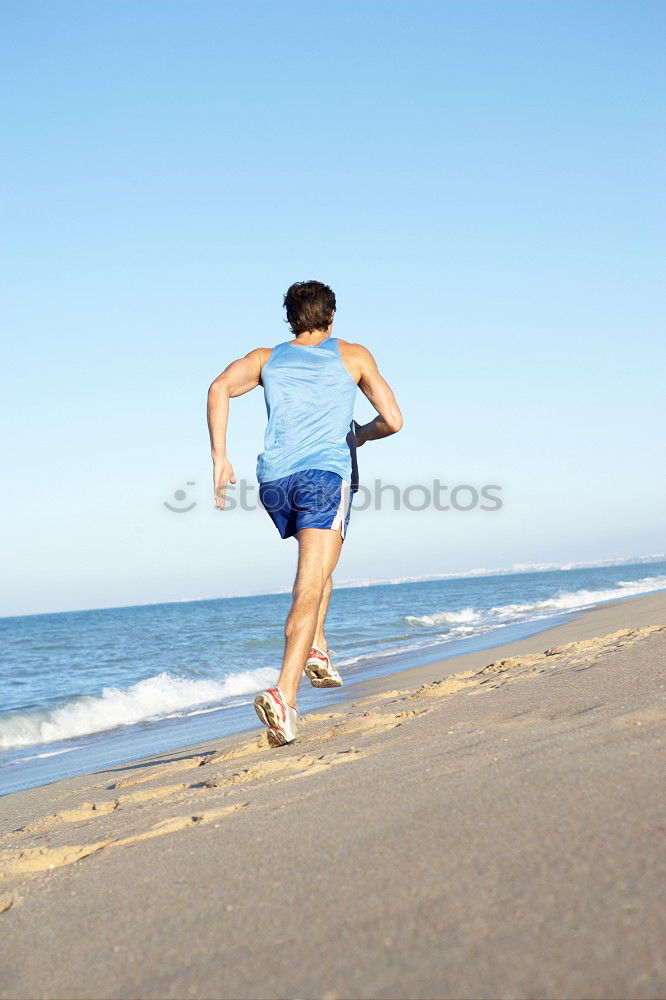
490	826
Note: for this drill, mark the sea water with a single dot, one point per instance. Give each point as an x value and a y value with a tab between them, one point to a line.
92	689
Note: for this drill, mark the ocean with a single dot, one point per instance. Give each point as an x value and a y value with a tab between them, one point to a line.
93	689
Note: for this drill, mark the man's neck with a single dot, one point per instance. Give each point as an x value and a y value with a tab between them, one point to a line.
312	338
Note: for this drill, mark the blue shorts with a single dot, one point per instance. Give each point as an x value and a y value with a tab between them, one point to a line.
309	499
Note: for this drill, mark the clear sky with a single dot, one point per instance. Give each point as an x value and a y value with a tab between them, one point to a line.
480	182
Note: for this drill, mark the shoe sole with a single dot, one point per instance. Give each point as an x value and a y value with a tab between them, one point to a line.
263	706
320	678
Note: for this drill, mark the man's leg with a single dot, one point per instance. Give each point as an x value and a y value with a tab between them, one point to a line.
320	638
318	553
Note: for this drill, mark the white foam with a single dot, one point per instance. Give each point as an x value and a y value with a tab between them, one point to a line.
565	600
381	654
464	617
50	753
156	696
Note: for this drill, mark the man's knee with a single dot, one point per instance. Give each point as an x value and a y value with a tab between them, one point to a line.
308	591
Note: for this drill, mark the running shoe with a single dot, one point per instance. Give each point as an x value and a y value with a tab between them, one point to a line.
320	670
278	716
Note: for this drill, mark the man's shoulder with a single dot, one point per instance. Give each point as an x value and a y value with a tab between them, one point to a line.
356	358
356	351
260	354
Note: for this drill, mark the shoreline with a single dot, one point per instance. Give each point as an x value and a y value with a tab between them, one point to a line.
628	612
467	828
424	668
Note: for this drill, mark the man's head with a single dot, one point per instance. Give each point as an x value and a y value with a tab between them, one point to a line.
310	306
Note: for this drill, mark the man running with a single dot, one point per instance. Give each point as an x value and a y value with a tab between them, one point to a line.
306	472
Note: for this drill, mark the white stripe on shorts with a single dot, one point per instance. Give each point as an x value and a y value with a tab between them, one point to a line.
343	507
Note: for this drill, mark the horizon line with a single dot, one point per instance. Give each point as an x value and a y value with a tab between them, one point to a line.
516	569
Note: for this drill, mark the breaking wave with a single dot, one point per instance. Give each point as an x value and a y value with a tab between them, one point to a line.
154	697
565	600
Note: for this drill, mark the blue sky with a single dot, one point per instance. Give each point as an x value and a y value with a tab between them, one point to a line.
480	182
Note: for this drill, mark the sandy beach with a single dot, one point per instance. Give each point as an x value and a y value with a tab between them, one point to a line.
489	826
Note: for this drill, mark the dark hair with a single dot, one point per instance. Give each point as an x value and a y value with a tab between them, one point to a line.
310	306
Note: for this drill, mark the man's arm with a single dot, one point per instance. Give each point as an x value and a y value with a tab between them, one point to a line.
363	368
236	379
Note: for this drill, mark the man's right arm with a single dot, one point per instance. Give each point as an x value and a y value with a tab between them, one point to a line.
237	378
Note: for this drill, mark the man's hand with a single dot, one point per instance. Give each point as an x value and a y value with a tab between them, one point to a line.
358	433
223	473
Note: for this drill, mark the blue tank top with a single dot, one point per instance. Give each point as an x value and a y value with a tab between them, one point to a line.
310	404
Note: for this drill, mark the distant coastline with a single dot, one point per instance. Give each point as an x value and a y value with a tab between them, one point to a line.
470	574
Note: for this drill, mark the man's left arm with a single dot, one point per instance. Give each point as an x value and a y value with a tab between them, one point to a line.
378	392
